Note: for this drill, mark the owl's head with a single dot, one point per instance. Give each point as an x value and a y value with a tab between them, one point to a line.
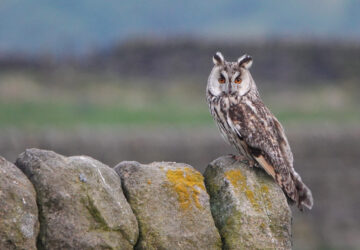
231	78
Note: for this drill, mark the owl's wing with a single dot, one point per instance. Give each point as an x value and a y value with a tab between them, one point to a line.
265	140
263	135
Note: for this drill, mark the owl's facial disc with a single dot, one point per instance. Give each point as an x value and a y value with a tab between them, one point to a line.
230	77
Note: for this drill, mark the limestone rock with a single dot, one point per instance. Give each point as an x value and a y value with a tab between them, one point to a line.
19	225
249	208
171	205
80	201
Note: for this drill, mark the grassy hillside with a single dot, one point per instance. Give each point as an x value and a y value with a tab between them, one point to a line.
29	99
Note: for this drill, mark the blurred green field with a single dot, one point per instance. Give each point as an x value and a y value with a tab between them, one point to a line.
57	114
35	101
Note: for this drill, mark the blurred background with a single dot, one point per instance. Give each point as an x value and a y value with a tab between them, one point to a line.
125	80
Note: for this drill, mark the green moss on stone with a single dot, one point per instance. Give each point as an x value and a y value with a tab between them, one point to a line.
148	236
229	231
95	213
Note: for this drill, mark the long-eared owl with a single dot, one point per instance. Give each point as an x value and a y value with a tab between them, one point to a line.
248	125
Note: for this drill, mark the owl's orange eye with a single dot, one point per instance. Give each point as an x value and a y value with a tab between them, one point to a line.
221	80
237	80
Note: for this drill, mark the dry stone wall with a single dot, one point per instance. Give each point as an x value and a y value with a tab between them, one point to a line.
49	201
171	204
80	201
19	224
248	207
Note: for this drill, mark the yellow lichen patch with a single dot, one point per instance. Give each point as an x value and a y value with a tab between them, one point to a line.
265	190
236	178
262	226
251	197
238	181
149	182
187	183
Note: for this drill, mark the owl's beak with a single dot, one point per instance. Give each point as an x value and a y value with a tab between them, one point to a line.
229	88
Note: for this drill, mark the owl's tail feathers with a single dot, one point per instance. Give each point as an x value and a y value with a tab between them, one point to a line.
297	191
291	184
304	195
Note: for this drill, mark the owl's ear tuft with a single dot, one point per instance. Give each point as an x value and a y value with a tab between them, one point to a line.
245	61
218	58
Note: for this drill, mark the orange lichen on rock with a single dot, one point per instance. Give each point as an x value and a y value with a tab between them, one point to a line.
238	181
187	183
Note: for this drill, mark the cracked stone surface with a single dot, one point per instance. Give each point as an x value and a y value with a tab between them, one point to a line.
171	204
81	202
19	225
249	208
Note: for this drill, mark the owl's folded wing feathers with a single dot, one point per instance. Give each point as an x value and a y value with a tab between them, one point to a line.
263	134
266	141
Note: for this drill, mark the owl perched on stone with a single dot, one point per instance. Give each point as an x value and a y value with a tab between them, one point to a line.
248	125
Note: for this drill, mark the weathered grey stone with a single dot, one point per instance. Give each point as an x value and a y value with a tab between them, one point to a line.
249	208
171	205
80	201
19	225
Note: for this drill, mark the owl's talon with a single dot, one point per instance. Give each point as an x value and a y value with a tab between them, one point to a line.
239	158
252	164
